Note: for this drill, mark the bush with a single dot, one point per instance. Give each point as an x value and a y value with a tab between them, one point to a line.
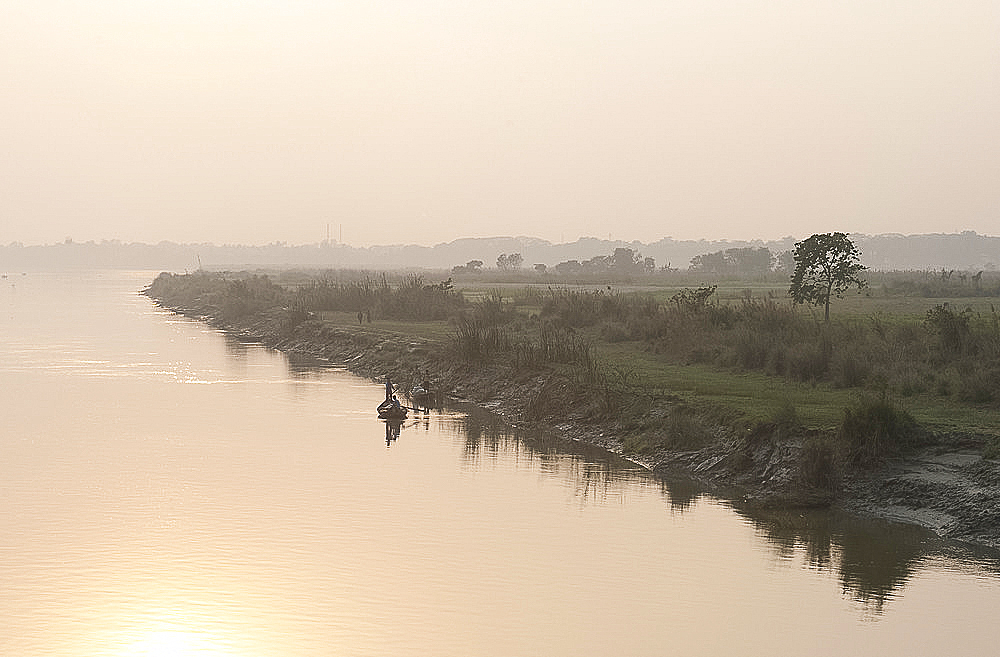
979	386
951	328
875	428
808	361
818	465
684	430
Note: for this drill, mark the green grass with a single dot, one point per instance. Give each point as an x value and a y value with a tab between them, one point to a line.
432	330
760	397
755	395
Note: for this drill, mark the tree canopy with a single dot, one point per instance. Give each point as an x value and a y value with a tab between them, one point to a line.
747	261
826	264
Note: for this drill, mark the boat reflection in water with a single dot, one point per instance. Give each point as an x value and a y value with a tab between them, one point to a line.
392	429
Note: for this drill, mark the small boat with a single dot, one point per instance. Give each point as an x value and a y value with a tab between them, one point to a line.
387	410
422	394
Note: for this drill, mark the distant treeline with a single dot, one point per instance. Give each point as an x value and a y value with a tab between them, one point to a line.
965	251
757	265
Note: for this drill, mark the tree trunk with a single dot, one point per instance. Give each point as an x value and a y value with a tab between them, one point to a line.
829	291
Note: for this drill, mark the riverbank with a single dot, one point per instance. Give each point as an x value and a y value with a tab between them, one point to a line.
945	485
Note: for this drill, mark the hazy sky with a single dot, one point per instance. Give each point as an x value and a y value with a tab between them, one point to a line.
253	121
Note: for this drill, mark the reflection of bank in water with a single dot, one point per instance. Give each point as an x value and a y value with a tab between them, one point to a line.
874	558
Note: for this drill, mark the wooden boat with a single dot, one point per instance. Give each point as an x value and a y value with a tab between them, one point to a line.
389	411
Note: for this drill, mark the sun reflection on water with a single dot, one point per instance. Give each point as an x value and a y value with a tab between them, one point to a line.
176	643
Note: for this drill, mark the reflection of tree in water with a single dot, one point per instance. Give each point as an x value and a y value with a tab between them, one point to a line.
874	564
593	470
235	347
304	366
873	558
788	530
682	492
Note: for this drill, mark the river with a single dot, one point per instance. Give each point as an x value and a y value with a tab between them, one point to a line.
167	490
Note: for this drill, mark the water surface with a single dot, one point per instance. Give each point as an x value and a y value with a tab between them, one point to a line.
168	490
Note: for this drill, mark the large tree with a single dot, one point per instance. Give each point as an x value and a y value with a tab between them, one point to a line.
826	264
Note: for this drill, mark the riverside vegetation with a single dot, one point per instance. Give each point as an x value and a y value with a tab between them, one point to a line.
725	379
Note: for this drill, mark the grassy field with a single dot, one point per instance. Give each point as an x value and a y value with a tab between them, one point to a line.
760	395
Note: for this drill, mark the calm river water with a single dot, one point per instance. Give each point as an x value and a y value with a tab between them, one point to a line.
166	490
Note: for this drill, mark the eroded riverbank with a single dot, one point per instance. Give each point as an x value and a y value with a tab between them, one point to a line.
946	486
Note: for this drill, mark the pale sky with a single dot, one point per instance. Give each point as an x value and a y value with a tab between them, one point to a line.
421	121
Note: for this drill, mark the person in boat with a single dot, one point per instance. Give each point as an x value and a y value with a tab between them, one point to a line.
388	388
395	403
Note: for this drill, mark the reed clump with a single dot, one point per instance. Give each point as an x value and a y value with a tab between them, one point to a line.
408	298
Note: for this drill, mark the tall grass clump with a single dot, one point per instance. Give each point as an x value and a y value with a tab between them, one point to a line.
683	429
581	308
408	298
478	340
875	428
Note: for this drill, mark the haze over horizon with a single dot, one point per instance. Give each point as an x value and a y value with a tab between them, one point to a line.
399	123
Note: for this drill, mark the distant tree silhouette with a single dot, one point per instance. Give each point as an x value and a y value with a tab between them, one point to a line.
468	268
507	262
747	261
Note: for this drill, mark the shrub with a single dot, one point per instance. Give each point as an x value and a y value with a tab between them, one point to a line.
808	361
478	341
875	428
693	300
979	386
951	328
818	465
684	430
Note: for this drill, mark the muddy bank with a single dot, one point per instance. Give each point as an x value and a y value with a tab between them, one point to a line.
946	487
